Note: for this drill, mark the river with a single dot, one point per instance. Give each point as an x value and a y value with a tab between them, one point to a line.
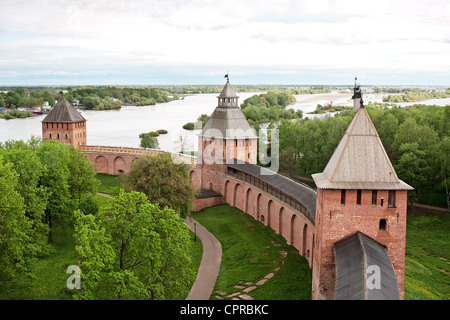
122	127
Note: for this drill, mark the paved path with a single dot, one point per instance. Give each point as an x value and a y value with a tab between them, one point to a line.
210	264
425	206
105	195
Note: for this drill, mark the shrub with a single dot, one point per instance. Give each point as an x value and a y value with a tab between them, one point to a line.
189	126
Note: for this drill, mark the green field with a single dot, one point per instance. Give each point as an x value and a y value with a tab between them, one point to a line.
250	252
427	256
108	183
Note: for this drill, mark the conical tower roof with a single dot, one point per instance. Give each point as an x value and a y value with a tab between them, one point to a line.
360	160
63	112
227	121
228	91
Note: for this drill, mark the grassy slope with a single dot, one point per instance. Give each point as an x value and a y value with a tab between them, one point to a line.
427	256
48	279
108	183
250	252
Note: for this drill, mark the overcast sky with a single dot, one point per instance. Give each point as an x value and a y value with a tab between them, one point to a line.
58	42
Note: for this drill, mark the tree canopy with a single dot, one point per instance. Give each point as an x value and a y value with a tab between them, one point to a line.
40	183
133	250
270	106
414	137
164	182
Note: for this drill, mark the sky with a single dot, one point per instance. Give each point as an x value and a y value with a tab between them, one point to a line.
174	42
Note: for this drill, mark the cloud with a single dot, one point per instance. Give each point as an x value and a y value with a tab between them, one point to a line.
85	38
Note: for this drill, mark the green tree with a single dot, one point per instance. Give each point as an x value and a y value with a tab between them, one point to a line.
287	160
88	205
203	119
16	247
91	101
60	206
95	256
136	250
164	182
441	162
411	166
189	126
149	142
47	96
82	175
66	177
386	131
34	195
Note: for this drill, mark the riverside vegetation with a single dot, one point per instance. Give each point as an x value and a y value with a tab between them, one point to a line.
262	108
416	139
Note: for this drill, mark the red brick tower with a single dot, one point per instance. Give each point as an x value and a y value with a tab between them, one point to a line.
225	136
65	124
358	191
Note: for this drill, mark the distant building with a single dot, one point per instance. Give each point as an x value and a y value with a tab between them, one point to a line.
65	124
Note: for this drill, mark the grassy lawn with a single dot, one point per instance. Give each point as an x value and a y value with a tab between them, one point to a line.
427	256
196	253
250	252
108	183
48	278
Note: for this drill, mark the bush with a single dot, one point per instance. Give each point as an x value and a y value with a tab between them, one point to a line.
189	126
153	134
162	131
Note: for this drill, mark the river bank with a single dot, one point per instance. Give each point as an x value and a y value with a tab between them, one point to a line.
122	127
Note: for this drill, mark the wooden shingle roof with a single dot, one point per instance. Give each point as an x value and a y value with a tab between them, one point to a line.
227	121
63	112
360	161
228	91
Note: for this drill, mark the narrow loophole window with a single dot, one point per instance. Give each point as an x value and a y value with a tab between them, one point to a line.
343	196
383	225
